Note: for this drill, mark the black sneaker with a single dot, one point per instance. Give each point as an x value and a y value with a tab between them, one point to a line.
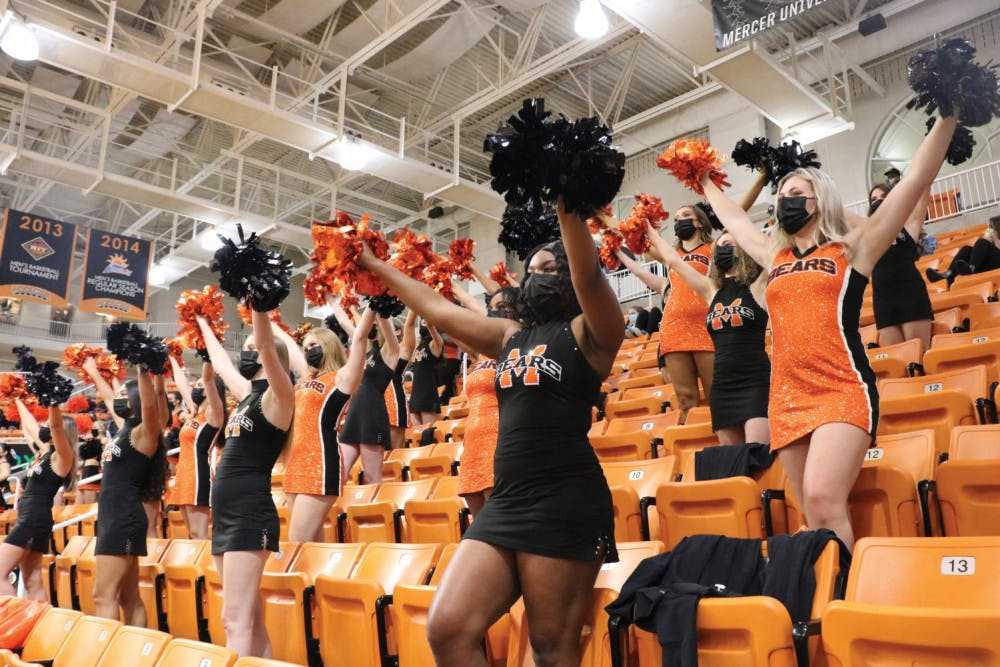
934	275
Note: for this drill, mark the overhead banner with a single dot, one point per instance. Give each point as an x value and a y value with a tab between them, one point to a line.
739	20
115	275
36	258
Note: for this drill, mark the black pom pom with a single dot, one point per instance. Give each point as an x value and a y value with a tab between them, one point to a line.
133	345
709	212
25	360
589	170
386	306
249	272
786	158
524	227
961	146
333	325
48	386
754	155
946	78
202	354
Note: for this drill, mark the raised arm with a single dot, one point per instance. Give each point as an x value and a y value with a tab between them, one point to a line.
648	278
160	387
183	385
343	318
296	358
349	377
146	437
390	350
754	242
699	283
486	334
409	342
278	402
469	301
221	363
437	343
915	223
215	408
598	329
871	241
64	456
29	425
490	285
750	198
104	390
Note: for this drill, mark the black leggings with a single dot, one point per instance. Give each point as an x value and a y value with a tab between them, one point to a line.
983	256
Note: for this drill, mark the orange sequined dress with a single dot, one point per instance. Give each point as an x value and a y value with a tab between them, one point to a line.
820	372
481	427
193	477
314	464
682	328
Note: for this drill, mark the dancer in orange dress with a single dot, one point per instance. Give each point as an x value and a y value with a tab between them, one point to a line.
824	403
313	473
193	478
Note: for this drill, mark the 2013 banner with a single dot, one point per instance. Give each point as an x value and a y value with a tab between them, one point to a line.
739	20
36	258
115	275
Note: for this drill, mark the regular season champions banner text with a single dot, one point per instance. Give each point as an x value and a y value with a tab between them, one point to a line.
739	20
115	276
36	258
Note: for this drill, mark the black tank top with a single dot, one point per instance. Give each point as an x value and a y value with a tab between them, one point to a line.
41	486
374	380
897	266
545	392
253	444
737	325
124	467
424	362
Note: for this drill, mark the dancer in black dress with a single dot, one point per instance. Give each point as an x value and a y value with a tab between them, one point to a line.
395	395
32	533
245	520
128	463
549	524
366	427
736	321
423	392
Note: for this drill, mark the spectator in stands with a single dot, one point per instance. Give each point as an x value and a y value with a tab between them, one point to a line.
982	256
636	322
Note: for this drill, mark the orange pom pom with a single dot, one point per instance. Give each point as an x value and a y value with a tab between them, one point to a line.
646	212
298	334
83	423
611	243
337	245
244	312
460	253
111	367
413	253
206	303
690	159
599	222
75	355
11	414
78	403
38	412
499	274
12	386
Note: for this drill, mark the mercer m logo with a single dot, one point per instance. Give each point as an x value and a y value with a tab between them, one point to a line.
527	367
239	422
734	314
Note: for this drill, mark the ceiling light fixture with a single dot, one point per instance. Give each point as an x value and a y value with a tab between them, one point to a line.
352	153
210	240
157	276
591	22
18	41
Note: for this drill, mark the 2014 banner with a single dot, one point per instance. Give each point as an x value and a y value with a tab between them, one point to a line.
739	20
116	275
36	258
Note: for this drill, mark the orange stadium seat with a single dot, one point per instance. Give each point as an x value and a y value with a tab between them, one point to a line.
983	316
177	552
45	638
896	361
962	338
135	647
430	467
187	653
351	495
975	279
968	483
381	520
86	642
946	321
85	566
633	487
917	601
179	594
632	438
438	521
684	441
63	573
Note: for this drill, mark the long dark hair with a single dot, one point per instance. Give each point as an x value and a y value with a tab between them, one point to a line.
524	314
155	482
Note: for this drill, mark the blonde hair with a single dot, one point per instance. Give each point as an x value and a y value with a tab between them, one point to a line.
334	357
833	226
704	235
745	270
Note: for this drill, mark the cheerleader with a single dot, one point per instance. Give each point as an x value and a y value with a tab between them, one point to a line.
549	524
823	401
90	457
424	404
313	474
737	322
245	520
395	394
193	478
130	464
32	533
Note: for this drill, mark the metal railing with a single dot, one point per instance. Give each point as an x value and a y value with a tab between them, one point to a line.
628	287
91	333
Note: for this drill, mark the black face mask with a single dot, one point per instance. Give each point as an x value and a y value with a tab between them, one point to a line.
314	356
792	214
496	313
249	364
684	228
550	297
198	395
121	408
45	434
872	207
724	257
424	332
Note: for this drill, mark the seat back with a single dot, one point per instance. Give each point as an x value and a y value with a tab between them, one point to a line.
86	642
968	483
335	560
653	425
942	341
65	572
983	315
940	402
975	443
892	361
729	507
446	487
135	647
622	447
376	521
684	441
184	553
435	521
49	633
643	478
187	653
430	466
85	567
389	563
